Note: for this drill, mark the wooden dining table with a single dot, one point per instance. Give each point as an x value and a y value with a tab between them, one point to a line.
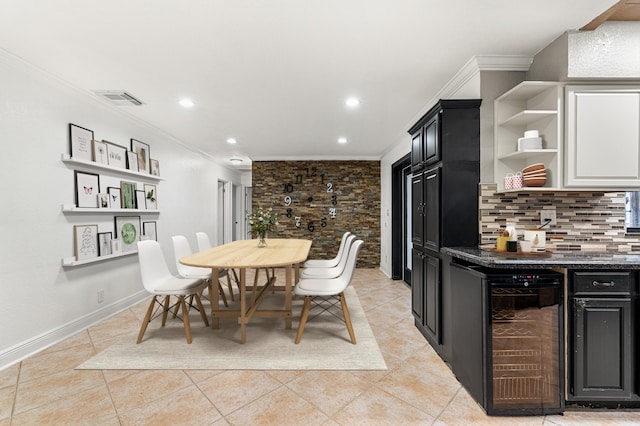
243	255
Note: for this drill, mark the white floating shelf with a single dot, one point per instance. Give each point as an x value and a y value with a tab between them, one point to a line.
70	208
528	153
528	117
71	261
66	158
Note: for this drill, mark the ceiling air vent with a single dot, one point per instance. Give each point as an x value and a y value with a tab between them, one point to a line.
120	97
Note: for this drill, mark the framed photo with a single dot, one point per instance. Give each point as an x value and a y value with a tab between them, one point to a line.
114	197
85	239
80	142
87	189
128	194
142	151
140	200
104	243
151	195
116	246
155	167
116	155
128	231
103	200
100	155
132	161
150	230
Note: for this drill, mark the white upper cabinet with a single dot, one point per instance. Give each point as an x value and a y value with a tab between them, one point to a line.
602	148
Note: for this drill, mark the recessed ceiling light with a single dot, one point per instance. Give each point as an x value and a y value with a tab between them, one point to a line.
342	140
236	161
352	102
187	103
231	141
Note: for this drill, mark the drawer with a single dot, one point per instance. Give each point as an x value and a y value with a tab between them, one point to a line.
617	283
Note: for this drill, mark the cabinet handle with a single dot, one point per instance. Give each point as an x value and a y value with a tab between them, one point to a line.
596	283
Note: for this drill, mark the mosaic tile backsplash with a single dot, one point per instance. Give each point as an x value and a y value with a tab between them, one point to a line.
587	221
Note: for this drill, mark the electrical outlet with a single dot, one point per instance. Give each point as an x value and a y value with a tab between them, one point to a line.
548	217
100	296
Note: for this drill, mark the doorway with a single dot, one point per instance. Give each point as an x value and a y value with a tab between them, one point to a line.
401	220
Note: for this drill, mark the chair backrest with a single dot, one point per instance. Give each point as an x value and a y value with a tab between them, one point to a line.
343	243
350	266
181	248
343	260
203	241
153	267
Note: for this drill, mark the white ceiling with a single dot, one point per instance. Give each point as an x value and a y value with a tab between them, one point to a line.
275	74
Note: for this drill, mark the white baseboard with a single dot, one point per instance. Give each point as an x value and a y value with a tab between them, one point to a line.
36	344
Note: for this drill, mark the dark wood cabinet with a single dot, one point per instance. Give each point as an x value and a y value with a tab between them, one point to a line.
446	173
603	365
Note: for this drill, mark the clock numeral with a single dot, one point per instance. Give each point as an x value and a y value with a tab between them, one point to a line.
322	177
298	219
298	179
323	222
332	212
310	226
311	172
329	187
288	187
289	213
287	200
334	200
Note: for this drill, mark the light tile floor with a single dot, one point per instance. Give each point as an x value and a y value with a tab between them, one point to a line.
417	389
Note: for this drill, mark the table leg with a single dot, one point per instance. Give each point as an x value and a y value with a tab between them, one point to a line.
287	296
243	305
214	298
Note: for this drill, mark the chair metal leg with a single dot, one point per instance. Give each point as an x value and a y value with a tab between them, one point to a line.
165	309
224	298
145	322
347	318
230	288
303	318
185	318
201	308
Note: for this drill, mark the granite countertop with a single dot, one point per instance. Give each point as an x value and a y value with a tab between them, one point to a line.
556	259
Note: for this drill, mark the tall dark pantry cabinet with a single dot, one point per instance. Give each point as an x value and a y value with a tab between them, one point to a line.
445	163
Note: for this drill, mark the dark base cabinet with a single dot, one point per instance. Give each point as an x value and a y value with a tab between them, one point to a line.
603	338
425	294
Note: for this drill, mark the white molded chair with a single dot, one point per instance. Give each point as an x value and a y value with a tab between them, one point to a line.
158	280
204	243
181	248
328	288
332	272
328	263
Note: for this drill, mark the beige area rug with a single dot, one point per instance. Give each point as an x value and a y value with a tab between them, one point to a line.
325	344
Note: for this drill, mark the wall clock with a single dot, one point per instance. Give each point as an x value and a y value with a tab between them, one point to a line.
310	200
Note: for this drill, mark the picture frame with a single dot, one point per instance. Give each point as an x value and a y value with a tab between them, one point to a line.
87	186
103	200
116	155
85	241
150	230
80	142
155	167
128	231
104	243
116	246
143	152
128	194
132	161
115	199
141	203
100	154
151	196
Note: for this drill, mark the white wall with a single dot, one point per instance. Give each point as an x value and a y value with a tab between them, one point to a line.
44	302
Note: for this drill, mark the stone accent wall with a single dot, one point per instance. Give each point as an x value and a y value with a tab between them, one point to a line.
588	221
326	198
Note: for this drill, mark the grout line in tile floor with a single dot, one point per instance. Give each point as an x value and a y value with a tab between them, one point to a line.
417	389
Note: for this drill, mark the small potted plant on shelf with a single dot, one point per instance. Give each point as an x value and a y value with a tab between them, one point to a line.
262	222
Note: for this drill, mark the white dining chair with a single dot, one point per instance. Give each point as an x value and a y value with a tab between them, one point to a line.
334	271
328	263
158	280
327	289
204	243
181	248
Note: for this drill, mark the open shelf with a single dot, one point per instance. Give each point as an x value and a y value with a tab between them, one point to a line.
91	165
71	261
70	208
